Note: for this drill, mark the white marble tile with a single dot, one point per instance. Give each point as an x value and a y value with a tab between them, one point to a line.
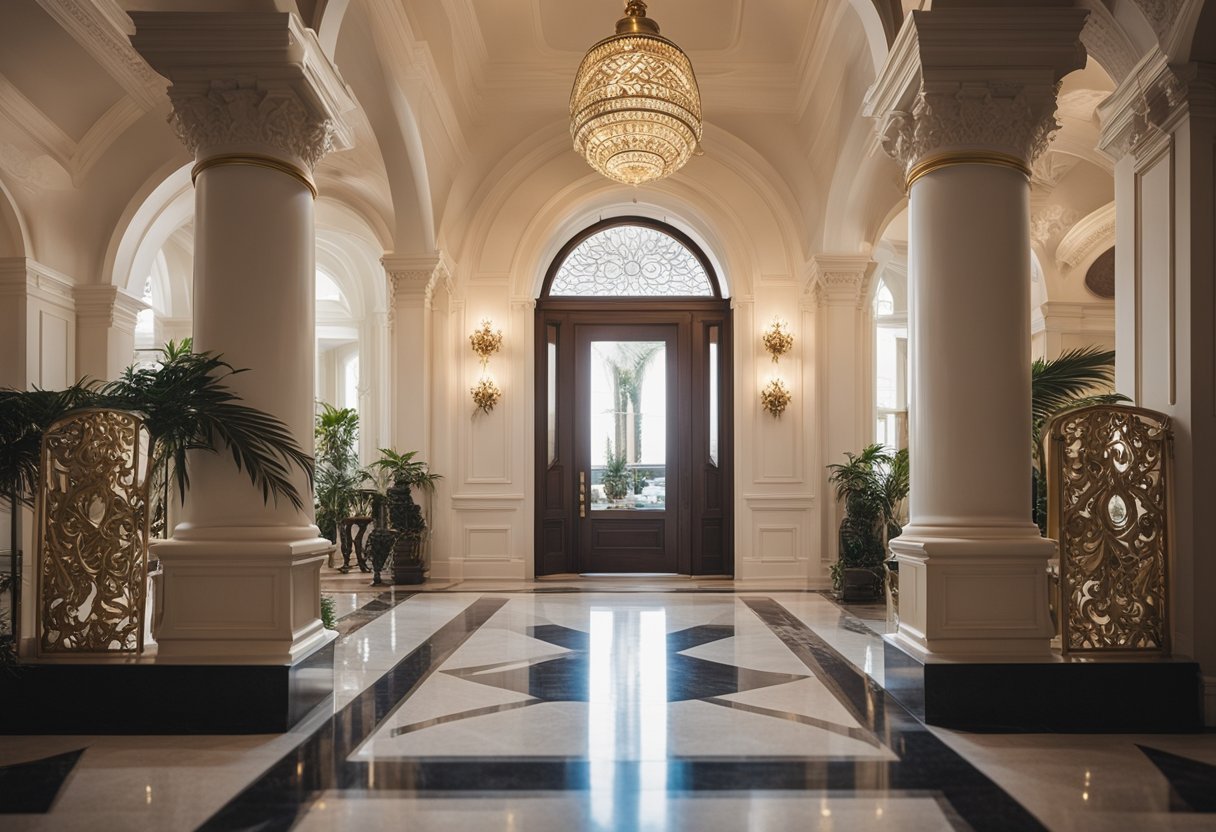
656	812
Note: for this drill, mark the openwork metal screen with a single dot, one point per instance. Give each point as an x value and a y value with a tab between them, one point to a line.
93	534
631	261
1110	510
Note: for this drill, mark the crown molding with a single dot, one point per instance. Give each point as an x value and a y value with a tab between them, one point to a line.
1091	235
103	29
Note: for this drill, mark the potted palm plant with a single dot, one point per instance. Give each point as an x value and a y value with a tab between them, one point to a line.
616	474
338	475
187	406
409	527
1063	383
872	486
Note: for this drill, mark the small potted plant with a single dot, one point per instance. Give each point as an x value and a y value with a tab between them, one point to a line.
408	526
872	486
616	474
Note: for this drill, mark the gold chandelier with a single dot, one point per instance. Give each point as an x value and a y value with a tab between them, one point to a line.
635	111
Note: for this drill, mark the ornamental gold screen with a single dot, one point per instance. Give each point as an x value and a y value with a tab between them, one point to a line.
1110	509
92	534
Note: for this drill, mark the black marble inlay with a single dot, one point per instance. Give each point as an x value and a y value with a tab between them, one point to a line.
31	787
564	678
1192	783
925	762
925	765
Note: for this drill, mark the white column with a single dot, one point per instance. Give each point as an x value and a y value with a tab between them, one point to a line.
1160	127
841	286
258	104
967	101
105	330
412	282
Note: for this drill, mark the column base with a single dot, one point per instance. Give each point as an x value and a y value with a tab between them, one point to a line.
973	594
239	601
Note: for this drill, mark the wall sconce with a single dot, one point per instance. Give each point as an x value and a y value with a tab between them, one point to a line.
775	398
778	341
485	341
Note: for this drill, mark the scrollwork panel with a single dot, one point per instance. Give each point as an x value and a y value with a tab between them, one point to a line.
93	534
1110	510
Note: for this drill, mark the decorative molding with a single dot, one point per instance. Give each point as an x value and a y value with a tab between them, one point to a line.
1160	15
1049	222
1105	40
21	277
236	114
1091	235
105	305
1149	102
927	98
989	116
415	277
248	82
103	29
840	279
1047	171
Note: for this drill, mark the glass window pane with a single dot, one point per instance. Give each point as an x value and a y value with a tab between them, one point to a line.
631	261
713	395
628	427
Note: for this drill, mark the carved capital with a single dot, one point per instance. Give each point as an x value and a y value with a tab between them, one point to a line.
841	279
234	115
247	83
413	281
1000	118
105	305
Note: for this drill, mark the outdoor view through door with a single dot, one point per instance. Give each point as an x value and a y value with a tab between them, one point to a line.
633	439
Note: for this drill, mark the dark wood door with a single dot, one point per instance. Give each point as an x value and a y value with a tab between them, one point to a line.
626	412
580	527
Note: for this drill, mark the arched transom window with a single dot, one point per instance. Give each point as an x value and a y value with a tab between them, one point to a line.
630	259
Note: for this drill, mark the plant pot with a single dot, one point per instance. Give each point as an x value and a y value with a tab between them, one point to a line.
861	584
408	573
408	567
892	572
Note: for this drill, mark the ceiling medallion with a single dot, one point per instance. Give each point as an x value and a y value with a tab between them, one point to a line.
635	111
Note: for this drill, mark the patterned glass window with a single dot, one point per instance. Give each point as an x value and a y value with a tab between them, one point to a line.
631	261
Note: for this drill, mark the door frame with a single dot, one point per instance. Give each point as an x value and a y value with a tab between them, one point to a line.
555	485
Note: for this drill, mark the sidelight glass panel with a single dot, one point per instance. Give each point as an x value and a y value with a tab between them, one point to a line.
551	418
628	427
713	395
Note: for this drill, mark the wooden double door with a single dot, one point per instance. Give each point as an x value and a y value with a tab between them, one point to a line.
634	457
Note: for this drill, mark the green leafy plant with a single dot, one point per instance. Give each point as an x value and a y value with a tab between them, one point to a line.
1064	383
872	485
187	406
409	526
338	474
616	479
328	618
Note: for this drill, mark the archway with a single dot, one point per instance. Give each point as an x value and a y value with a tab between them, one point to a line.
634	457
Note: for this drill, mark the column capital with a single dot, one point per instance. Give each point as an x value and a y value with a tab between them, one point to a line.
106	305
413	280
840	279
975	84
1153	97
247	84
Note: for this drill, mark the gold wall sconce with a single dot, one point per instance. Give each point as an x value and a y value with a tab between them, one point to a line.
775	397
485	341
777	340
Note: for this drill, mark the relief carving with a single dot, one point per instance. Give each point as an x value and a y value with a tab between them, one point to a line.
232	114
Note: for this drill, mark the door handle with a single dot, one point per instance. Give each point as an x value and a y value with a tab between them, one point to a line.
582	494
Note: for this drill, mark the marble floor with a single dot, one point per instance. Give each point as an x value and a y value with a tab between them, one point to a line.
574	705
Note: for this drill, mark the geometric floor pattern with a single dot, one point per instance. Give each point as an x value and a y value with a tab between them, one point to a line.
609	711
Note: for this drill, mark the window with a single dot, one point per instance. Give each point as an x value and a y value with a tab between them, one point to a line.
890	371
327	288
631	261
